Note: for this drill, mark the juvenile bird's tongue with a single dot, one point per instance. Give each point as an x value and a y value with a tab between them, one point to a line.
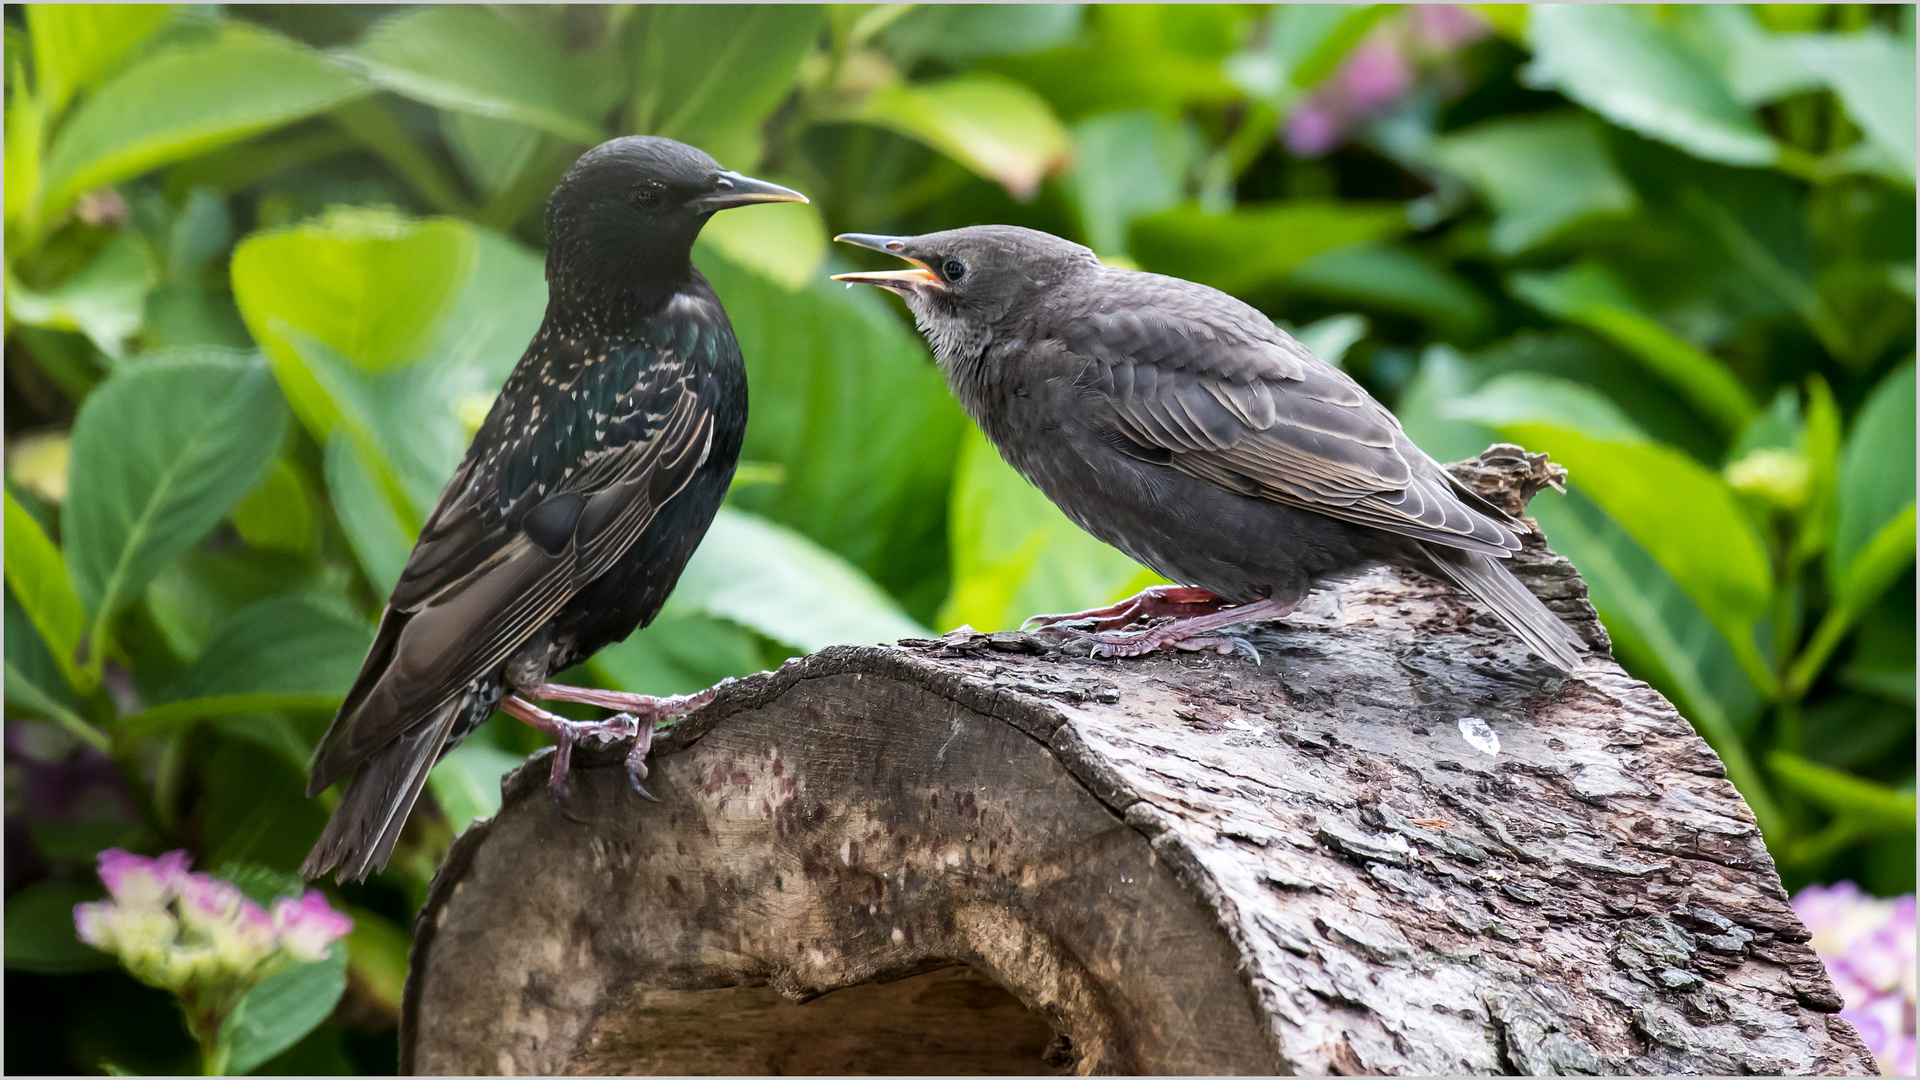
910	280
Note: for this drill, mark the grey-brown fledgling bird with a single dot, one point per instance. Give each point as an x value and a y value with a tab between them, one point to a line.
1186	429
584	493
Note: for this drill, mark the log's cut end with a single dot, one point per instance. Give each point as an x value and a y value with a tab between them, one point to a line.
1397	844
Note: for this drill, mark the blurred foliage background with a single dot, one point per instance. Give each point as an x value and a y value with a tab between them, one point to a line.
267	265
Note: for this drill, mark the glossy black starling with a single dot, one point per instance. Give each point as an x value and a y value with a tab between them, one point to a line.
585	491
1186	429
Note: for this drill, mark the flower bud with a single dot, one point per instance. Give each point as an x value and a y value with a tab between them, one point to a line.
137	881
1780	477
308	926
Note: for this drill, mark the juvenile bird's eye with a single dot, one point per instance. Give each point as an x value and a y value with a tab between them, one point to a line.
954	269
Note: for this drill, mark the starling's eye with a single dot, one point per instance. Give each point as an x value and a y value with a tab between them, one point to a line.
648	196
954	269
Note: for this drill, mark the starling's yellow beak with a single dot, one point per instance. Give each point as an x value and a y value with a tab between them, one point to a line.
901	281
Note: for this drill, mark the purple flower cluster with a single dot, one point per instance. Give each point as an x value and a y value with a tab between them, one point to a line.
1378	73
1868	947
197	935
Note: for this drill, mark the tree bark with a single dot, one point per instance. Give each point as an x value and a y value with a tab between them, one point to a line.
978	854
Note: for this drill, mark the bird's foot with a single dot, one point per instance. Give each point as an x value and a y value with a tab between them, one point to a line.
639	717
1196	633
1155	602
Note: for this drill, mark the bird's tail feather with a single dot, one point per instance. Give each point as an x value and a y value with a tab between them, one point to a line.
1495	586
359	838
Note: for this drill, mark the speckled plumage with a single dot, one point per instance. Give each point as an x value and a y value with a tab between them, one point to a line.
582	496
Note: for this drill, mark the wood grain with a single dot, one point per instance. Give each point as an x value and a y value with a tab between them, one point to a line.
980	855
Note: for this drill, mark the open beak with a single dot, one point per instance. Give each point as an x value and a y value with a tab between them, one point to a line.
900	281
733	189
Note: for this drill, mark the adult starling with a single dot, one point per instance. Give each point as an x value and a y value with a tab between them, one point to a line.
1184	428
585	491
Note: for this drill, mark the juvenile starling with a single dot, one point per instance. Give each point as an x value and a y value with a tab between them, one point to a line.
585	491
1184	428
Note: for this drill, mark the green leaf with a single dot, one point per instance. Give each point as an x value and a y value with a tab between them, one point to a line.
1616	61
1757	66
1874	75
1588	295
1331	337
1255	246
1684	515
706	75
280	1011
161	451
370	285
191	599
1879	807
466	783
1876	471
782	242
275	514
75	45
254	809
381	532
468	59
847	403
1526	397
284	645
1398	280
105	299
25	143
493	153
1304	43
1016	555
38	577
187	101
994	126
377	956
778	583
678	653
960	32
1540	173
1126	165
40	936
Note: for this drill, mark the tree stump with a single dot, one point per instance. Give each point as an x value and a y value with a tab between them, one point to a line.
981	855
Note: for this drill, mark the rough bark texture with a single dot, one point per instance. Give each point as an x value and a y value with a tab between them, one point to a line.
977	855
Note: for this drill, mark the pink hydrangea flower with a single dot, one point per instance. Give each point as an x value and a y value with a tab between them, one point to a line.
1448	27
138	881
1868	945
308	927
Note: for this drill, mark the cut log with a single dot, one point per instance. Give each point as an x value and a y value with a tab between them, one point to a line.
982	855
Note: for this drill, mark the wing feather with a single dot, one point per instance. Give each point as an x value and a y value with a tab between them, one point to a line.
1240	403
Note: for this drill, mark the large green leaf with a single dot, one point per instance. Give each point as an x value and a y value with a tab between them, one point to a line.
1617	61
76	45
468	59
681	652
1876	806
373	287
105	299
1589	295
284	645
1255	246
466	783
778	583
253	807
1304	43
1016	555
1874	75
1398	280
37	576
280	1011
1876	470
992	125
1685	516
710	75
1540	172
381	524
161	451
40	934
186	101
784	242
847	404
960	32
1127	165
